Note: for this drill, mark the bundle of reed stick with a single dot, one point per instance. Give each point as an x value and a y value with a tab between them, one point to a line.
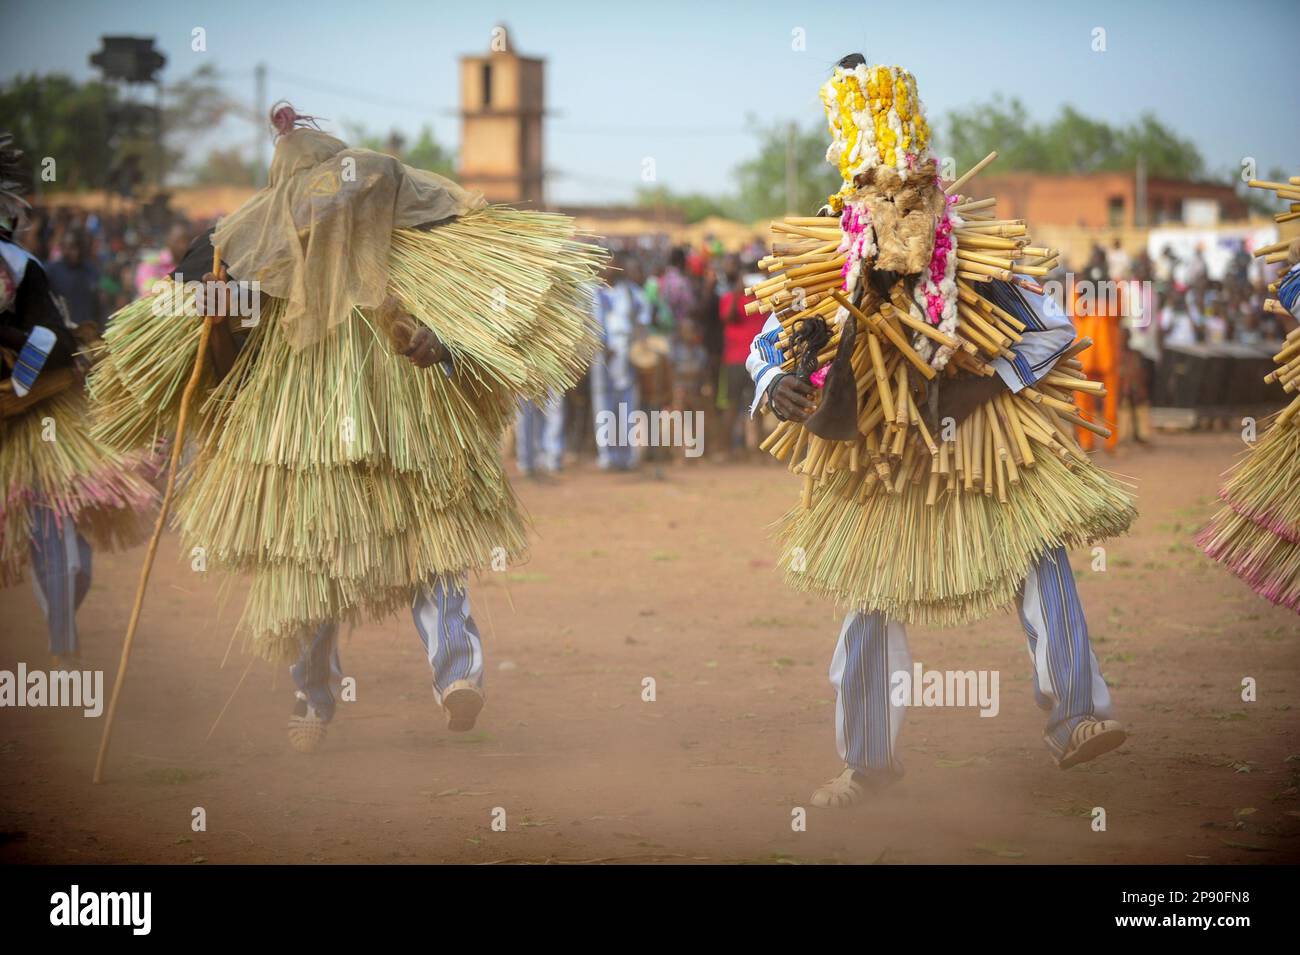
1256	533
49	460
977	501
989	451
1287	373
340	476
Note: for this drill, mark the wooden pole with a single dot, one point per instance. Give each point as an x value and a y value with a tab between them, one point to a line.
971	173
178	443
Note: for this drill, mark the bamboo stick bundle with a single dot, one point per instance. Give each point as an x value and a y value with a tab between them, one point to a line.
1256	533
991	493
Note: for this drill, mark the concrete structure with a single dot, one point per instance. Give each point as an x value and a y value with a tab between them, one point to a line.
502	101
1108	200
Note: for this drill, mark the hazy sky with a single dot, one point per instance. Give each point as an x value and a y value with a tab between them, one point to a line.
679	81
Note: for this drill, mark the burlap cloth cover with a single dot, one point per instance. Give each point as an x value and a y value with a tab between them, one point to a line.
318	235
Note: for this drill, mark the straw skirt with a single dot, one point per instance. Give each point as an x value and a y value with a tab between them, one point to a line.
1256	534
48	459
339	476
956	561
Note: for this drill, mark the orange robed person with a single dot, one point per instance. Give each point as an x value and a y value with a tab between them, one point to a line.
1097	316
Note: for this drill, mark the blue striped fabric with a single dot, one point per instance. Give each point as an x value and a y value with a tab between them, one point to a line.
31	359
449	634
61	563
771	354
1288	291
864	661
1048	333
1057	618
1010	298
317	666
1067	682
764	361
444	625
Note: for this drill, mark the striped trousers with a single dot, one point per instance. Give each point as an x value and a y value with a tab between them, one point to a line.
448	632
539	435
1067	678
60	576
606	395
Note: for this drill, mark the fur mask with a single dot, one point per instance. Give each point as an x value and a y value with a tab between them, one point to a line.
904	216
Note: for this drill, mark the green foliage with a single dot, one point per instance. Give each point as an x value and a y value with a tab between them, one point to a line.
54	116
1070	143
227	167
694	205
84	127
426	153
762	180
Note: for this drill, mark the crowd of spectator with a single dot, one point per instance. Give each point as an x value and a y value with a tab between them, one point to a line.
676	330
98	262
1153	318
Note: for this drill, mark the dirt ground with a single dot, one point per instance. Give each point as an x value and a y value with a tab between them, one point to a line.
675	580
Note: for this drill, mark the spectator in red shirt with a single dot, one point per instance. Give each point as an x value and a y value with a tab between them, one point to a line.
738	332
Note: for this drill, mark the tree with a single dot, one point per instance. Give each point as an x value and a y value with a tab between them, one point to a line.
426	153
93	130
227	167
1074	143
970	135
55	117
1166	153
1070	143
694	205
762	180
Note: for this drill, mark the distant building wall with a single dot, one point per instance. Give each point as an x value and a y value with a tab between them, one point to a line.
1105	200
502	103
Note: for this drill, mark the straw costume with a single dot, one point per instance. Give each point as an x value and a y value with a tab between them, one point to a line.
60	488
347	482
941	478
1256	534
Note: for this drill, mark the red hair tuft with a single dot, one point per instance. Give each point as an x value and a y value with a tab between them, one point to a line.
285	119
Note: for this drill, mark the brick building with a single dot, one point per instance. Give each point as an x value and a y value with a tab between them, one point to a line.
502	103
1108	200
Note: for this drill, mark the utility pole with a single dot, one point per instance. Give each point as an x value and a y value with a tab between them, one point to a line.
133	60
791	171
1140	193
259	125
158	138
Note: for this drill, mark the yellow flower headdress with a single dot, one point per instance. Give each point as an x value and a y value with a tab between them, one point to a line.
875	117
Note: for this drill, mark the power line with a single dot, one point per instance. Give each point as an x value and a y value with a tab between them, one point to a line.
351	92
379	99
691	131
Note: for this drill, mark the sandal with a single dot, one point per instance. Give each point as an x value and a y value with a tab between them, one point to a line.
1090	739
843	791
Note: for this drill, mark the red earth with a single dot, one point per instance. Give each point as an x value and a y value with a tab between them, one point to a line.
676	580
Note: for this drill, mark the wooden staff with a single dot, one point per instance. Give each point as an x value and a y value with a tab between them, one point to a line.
177	444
